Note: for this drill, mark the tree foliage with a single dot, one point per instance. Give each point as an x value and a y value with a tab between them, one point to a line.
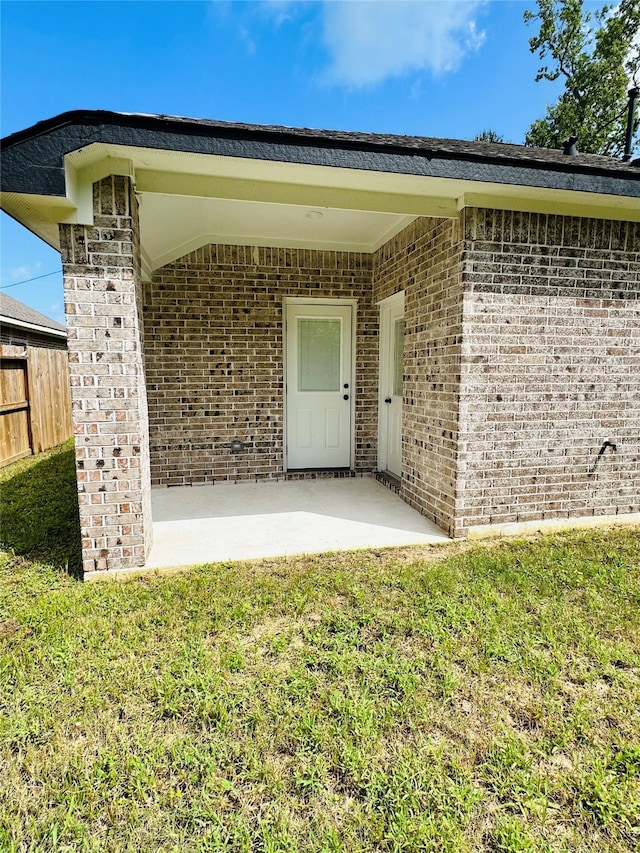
488	136
598	57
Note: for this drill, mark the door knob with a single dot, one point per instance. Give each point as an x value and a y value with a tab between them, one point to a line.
345	396
387	399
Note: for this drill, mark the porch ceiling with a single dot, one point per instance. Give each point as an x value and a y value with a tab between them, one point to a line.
188	200
172	226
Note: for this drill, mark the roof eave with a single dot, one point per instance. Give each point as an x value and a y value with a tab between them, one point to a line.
21	324
494	154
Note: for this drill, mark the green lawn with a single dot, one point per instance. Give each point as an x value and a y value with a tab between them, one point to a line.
465	698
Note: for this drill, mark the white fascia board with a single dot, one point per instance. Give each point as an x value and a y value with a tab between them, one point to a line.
549	201
20	324
303	195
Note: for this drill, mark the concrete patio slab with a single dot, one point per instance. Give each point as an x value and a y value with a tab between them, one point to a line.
240	521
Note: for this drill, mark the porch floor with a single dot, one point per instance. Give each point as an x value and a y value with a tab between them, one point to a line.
248	520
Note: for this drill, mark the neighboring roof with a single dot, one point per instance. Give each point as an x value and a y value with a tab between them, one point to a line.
15	313
33	158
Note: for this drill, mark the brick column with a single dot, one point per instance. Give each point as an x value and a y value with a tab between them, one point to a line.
103	303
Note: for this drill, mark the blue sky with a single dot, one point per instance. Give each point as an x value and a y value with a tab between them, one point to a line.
446	68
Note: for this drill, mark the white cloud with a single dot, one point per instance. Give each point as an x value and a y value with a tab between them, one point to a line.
371	40
249	43
279	10
25	271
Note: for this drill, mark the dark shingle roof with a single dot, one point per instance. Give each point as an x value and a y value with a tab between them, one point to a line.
12	309
33	159
393	143
420	144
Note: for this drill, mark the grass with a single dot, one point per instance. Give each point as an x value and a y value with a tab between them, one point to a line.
39	509
473	698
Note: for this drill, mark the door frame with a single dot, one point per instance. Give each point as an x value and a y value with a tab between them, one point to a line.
386	307
319	300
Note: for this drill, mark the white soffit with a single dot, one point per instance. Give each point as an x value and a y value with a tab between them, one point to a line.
173	226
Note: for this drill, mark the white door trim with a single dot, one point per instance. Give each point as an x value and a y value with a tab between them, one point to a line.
387	307
320	300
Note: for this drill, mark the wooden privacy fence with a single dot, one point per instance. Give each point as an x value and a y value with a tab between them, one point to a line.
35	401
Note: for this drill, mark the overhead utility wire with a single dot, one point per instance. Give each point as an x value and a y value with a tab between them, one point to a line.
27	280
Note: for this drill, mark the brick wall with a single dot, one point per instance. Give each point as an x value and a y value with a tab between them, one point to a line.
214	358
425	260
550	368
102	287
27	337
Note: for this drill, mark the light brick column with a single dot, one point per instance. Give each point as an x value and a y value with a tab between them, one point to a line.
103	303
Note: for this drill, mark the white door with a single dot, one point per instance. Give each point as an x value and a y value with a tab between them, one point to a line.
319	392
391	375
